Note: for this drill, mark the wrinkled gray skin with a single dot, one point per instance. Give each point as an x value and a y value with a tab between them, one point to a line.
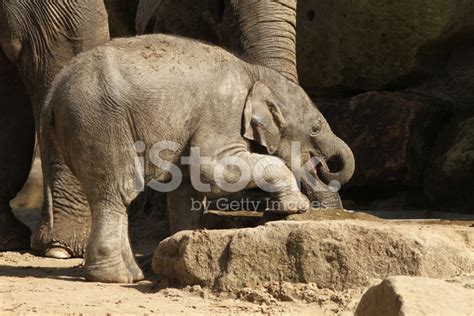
164	88
41	37
263	32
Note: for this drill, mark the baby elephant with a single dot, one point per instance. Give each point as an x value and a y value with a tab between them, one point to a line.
158	97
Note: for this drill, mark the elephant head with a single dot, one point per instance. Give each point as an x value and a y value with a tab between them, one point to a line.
43	36
286	123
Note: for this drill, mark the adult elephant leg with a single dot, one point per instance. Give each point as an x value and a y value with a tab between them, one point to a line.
17	141
185	207
65	234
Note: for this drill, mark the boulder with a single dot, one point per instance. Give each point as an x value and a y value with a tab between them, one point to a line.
390	133
402	295
347	46
339	254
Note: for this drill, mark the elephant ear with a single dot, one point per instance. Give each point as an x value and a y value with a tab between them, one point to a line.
262	118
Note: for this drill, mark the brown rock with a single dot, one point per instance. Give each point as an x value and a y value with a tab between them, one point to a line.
244	219
333	254
403	295
347	46
390	134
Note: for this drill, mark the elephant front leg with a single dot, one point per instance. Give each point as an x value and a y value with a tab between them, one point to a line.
272	175
266	172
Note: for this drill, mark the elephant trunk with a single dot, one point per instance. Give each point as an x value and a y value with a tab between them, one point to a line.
340	164
268	33
338	167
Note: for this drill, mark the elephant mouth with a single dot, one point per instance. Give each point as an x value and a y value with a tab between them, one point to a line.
314	163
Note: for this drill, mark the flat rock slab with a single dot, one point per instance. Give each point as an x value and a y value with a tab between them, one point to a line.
244	219
337	254
404	295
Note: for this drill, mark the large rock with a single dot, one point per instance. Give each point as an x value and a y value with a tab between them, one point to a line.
399	296
390	133
355	45
333	254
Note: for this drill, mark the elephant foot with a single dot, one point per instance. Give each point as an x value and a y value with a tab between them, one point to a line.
46	242
136	272
290	203
132	266
63	240
14	235
117	273
58	252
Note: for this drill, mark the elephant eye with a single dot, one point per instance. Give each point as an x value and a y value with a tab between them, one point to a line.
316	129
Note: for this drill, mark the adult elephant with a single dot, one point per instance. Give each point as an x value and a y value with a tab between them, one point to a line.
261	31
17	139
41	37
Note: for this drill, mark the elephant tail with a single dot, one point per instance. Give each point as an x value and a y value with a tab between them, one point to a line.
49	156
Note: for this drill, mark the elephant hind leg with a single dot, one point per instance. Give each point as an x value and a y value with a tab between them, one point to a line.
104	261
108	183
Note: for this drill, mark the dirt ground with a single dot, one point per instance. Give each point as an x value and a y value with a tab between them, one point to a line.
30	284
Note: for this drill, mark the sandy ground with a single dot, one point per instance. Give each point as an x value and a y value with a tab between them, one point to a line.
36	285
30	284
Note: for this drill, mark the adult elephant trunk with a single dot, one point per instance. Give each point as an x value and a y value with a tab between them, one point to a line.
267	31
